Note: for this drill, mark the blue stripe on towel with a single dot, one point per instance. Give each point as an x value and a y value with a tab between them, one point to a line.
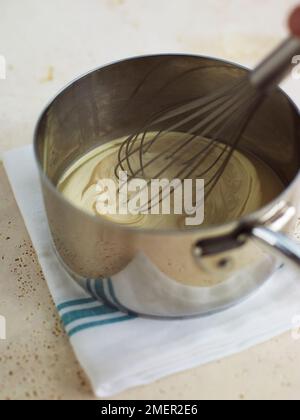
89	288
72	316
113	294
99	287
105	289
74	302
80	317
99	323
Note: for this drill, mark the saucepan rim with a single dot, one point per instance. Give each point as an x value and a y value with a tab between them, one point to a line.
210	230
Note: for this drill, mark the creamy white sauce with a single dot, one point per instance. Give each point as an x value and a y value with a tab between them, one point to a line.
246	184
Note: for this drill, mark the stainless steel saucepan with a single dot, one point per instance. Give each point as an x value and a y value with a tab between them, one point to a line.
165	274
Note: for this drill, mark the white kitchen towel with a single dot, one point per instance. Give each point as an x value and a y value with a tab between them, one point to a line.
120	351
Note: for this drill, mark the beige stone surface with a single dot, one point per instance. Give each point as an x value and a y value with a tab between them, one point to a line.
46	44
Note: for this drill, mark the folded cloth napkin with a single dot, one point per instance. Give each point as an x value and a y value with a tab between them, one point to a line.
120	351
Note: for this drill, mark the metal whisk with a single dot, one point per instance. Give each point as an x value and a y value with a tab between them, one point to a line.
219	118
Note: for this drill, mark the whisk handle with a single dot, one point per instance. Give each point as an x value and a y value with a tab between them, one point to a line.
275	67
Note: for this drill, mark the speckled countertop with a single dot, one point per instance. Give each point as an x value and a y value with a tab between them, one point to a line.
46	44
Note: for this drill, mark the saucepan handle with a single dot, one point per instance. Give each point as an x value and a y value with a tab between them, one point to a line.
267	235
277	243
